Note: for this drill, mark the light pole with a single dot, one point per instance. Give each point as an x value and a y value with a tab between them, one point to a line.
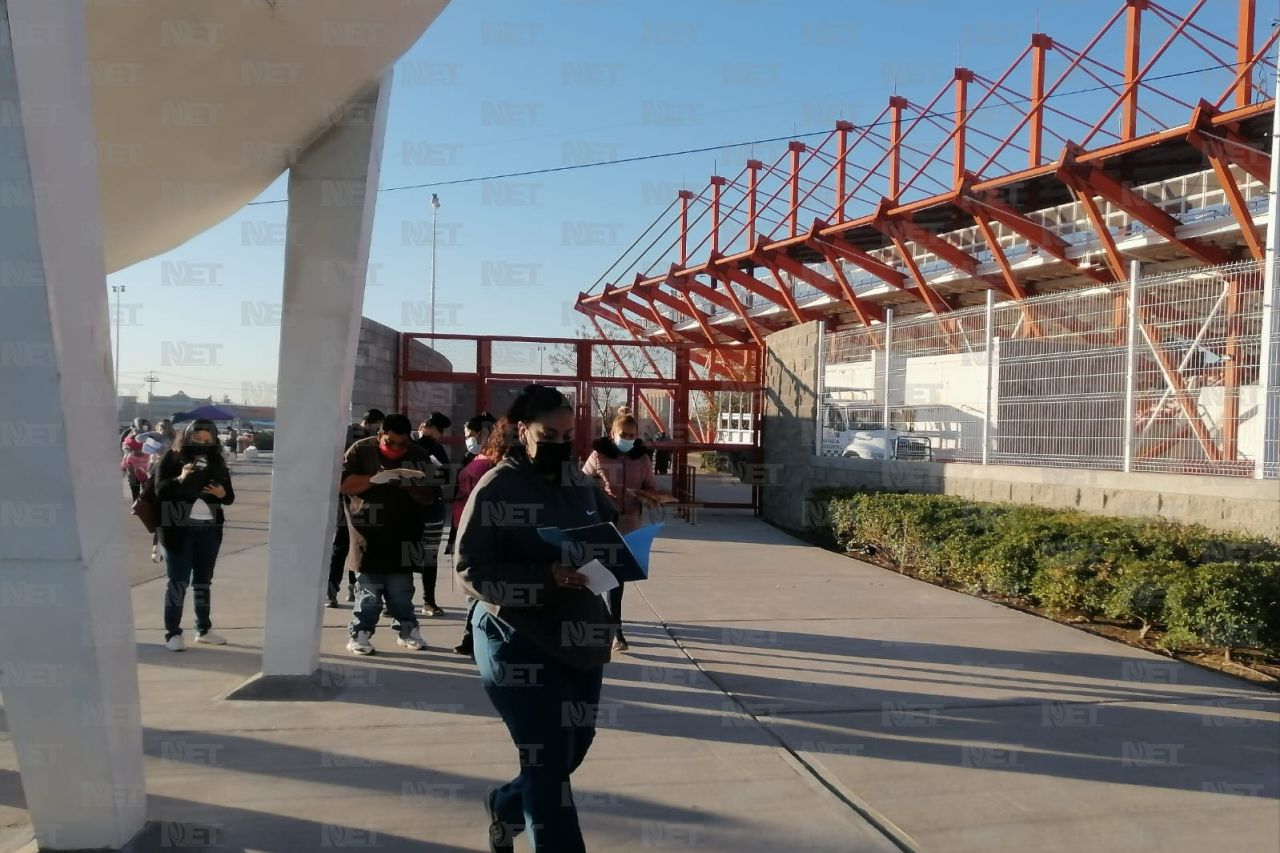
435	212
117	289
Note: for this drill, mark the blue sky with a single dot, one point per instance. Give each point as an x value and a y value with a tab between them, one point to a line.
503	86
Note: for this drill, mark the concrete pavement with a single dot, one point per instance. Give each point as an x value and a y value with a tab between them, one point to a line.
778	698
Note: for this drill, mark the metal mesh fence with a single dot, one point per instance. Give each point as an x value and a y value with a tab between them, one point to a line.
1081	379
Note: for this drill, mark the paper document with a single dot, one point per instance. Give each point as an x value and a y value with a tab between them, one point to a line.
390	475
599	579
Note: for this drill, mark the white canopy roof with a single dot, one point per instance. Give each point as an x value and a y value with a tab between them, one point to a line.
200	105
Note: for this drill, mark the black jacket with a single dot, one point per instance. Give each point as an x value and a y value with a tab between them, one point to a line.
384	522
176	497
503	562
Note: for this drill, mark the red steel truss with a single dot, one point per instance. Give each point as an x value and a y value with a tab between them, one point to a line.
978	158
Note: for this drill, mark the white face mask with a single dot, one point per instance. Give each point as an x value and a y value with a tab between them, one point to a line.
625	444
473	445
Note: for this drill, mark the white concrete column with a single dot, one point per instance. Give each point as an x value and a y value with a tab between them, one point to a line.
68	663
332	192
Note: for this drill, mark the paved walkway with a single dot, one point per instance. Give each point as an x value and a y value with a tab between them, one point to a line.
778	698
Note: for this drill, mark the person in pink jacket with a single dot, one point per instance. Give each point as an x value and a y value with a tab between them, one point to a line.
620	462
482	453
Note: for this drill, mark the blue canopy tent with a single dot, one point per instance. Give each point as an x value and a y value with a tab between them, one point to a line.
212	413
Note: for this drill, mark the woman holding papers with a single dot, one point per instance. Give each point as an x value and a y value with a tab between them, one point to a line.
541	637
620	463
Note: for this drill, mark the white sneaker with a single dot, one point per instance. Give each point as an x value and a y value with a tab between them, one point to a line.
210	639
412	640
359	644
175	644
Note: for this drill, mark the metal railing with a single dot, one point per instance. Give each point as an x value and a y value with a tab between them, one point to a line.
1164	373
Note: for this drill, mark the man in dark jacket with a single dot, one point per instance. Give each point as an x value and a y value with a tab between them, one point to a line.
386	507
430	431
369	425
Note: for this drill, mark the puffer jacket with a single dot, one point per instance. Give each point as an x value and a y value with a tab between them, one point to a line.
619	473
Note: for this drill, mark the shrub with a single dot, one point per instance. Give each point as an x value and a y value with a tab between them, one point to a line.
1225	604
1206	587
1139	591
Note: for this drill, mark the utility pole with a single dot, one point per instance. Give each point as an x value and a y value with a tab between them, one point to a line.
151	379
435	212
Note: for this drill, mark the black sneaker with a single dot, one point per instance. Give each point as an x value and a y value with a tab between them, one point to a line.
501	838
332	602
466	648
351	595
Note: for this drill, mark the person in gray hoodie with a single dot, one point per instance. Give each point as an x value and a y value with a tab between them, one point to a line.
541	637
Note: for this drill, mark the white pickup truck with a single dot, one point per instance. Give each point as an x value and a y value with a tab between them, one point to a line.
849	433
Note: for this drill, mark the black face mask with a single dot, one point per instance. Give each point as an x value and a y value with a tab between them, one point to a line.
551	458
199	449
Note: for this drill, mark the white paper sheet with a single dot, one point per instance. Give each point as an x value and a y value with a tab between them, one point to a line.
599	579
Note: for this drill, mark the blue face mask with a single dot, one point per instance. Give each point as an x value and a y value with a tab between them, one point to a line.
625	444
473	445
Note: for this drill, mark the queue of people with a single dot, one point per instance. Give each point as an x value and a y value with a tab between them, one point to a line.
529	610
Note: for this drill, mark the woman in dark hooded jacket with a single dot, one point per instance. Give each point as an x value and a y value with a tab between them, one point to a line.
541	637
192	484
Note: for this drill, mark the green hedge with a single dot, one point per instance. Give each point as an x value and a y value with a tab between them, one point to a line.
1202	587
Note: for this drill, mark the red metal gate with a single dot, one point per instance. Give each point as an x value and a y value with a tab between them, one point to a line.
677	388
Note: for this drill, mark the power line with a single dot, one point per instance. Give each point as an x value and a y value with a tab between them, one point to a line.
550	170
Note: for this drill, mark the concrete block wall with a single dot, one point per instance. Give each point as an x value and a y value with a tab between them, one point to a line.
377	373
791	378
790	407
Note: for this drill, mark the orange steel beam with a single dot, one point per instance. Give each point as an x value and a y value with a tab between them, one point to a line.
859	306
896	106
831	287
1040	44
1109	249
962	80
1238	208
697	288
685	196
842	154
1244	51
986	206
779	296
796	148
627	370
859	258
717	183
687	307
668	328
753	182
768	262
1013	288
922	290
678	279
1090	178
1227	144
1132	58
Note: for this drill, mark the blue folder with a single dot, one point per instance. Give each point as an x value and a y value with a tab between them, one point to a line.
626	556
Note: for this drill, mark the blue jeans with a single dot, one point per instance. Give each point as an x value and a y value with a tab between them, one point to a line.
372	592
191	565
550	711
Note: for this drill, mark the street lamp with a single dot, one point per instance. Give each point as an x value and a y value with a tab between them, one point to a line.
117	289
435	212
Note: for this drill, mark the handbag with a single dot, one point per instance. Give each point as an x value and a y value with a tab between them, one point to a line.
147	506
